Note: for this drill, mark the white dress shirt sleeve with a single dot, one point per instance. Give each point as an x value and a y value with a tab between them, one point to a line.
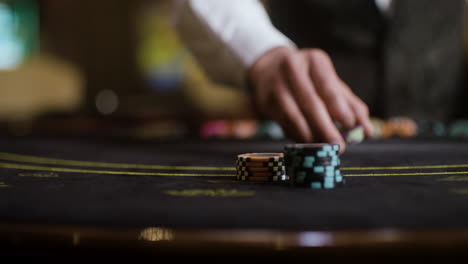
227	36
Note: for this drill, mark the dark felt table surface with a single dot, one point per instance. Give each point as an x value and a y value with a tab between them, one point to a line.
416	198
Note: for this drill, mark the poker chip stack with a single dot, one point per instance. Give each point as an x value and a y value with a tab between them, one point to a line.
403	127
315	166
458	129
431	129
261	167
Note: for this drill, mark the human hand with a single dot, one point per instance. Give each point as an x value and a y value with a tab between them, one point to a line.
300	89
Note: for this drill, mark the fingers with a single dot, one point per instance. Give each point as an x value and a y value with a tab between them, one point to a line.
344	106
311	105
301	90
290	116
329	87
361	111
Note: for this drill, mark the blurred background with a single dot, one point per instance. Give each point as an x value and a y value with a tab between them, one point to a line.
107	67
111	68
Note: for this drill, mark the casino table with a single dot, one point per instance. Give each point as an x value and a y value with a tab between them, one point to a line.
116	197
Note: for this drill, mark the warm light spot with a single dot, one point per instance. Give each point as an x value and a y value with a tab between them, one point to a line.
156	234
76	239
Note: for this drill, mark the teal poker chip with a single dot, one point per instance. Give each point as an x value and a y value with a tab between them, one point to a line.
325	170
329	185
313	148
301	177
311	162
315	166
316	185
318	154
431	128
458	129
327	180
339	178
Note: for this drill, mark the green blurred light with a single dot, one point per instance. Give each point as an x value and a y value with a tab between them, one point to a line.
19	32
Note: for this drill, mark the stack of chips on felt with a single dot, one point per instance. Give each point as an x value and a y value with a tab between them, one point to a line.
261	167
315	166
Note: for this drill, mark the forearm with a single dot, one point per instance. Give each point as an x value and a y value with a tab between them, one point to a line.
227	37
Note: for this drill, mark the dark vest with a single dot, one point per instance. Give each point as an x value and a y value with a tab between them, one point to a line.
408	63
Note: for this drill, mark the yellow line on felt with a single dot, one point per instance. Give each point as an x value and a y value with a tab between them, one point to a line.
407	174
64	162
55	169
41	160
407	167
